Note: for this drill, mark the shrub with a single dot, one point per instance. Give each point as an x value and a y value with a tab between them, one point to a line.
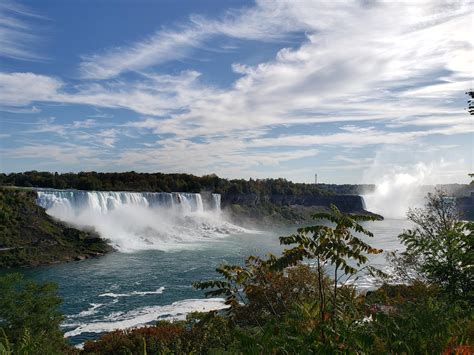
29	314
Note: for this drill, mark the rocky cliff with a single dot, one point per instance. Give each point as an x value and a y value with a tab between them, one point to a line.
346	203
30	237
254	208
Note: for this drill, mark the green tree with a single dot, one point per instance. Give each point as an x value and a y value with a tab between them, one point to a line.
30	311
336	245
440	246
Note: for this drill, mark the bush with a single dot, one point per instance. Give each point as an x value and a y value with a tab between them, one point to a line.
439	248
200	333
30	311
424	325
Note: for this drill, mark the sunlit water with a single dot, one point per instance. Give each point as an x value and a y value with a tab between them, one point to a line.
122	290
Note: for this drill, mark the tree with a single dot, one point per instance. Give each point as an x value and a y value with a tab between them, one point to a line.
336	245
29	309
440	246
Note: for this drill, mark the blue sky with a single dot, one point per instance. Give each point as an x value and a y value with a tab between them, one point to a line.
349	90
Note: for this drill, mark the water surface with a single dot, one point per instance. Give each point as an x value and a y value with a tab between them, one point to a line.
123	290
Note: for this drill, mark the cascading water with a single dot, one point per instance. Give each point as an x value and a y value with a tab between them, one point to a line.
216	198
140	220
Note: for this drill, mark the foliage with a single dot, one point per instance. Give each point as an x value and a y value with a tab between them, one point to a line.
26	345
348	189
133	181
266	291
334	245
256	291
418	320
28	236
403	318
30	316
200	333
440	247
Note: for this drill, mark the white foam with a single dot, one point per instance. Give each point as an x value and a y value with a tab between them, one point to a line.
134	293
145	315
88	312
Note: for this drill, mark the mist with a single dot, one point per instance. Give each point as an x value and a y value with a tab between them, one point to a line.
399	189
141	221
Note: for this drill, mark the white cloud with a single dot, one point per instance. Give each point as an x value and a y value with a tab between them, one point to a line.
87	131
87	123
365	63
48	125
22	110
266	21
67	154
163	46
21	89
359	137
17	34
108	136
382	72
215	155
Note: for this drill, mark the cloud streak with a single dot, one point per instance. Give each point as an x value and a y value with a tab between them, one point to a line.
264	22
17	35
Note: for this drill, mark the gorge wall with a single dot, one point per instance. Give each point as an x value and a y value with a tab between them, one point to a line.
346	203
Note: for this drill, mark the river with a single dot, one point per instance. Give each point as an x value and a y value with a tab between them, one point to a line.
150	276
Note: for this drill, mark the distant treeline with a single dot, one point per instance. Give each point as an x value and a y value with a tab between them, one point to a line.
348	189
159	182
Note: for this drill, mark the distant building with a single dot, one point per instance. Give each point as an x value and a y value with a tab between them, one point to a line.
315	179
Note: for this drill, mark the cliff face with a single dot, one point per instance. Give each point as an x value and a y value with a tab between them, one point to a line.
30	237
346	203
270	209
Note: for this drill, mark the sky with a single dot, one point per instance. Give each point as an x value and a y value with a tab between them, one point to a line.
348	90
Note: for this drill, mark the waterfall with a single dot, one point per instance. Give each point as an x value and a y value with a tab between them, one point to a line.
216	199
105	201
140	220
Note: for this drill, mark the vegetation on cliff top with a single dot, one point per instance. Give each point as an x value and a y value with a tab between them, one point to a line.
30	237
159	182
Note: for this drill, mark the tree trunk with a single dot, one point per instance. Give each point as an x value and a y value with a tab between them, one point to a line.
321	297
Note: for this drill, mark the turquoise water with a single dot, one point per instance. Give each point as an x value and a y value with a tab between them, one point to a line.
123	290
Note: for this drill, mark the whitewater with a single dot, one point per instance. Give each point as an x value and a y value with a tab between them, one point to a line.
133	221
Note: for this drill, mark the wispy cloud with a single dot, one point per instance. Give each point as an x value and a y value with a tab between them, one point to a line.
266	21
21	110
376	73
86	132
67	154
21	89
17	33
